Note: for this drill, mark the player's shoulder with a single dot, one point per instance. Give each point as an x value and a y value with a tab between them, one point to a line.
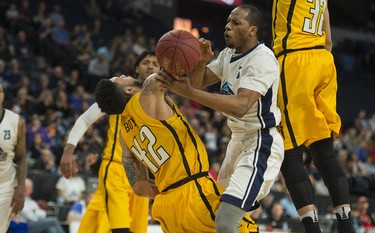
11	114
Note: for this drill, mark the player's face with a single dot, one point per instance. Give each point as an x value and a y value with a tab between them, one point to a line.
124	81
146	67
237	30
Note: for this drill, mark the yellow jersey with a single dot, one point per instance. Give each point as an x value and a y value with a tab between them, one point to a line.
113	149
299	24
170	148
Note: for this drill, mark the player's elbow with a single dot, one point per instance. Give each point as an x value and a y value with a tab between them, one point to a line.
144	189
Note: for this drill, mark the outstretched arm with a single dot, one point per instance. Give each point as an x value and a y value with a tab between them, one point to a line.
137	174
68	164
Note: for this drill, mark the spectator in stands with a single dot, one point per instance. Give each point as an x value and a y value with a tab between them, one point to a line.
56	14
35	126
92	9
40	16
56	76
35	217
288	206
277	220
79	207
13	74
70	190
44	103
98	67
46	163
60	34
357	223
368	222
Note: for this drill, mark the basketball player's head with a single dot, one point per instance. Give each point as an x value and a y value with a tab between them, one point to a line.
113	95
145	65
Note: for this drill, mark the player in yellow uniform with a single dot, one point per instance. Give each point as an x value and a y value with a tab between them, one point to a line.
307	100
159	137
115	207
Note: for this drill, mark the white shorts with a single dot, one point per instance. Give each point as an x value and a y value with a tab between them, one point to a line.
5	210
250	167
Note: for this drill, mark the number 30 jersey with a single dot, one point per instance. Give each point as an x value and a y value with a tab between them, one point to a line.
171	148
304	24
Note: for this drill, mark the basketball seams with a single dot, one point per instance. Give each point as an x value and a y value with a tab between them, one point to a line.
178	51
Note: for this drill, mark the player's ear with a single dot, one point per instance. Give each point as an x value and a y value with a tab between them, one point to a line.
253	30
129	90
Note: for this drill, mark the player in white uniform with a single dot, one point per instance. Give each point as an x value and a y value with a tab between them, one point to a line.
13	165
249	75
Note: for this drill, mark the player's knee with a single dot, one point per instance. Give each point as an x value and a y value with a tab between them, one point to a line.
292	165
325	159
228	218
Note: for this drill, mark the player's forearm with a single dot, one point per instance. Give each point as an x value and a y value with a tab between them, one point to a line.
21	170
196	75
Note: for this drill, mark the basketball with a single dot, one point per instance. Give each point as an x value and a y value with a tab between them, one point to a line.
178	52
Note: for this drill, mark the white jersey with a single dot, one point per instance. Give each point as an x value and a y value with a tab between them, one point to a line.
8	142
256	70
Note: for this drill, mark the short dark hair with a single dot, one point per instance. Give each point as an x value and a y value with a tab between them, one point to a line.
142	56
254	17
110	97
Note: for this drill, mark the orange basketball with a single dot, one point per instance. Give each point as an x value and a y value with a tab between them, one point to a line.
178	52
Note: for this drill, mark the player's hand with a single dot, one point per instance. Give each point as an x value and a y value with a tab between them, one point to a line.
206	50
165	79
18	199
68	165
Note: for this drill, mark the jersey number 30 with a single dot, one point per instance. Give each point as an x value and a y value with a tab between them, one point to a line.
314	24
159	155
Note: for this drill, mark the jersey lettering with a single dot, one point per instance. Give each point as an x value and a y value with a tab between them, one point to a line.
6	134
129	125
159	155
314	24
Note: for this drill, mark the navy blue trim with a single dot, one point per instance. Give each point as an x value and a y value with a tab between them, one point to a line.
236	58
265	141
267	116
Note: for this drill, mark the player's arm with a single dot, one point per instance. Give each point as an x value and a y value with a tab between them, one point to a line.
21	168
68	164
137	174
327	30
201	77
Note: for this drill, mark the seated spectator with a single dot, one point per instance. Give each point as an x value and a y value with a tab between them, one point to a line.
277	220
77	211
368	223
70	190
46	163
35	127
35	218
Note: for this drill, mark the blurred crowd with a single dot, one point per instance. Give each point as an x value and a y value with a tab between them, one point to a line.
52	55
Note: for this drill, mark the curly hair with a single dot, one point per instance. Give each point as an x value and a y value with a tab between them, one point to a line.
110	97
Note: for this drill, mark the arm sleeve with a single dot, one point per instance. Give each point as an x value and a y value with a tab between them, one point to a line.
83	122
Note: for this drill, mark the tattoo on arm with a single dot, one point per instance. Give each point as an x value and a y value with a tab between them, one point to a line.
135	170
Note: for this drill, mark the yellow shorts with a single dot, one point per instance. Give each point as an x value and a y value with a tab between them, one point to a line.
115	197
184	210
307	97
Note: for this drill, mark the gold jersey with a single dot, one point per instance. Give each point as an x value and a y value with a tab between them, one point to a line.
299	24
170	148
113	149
